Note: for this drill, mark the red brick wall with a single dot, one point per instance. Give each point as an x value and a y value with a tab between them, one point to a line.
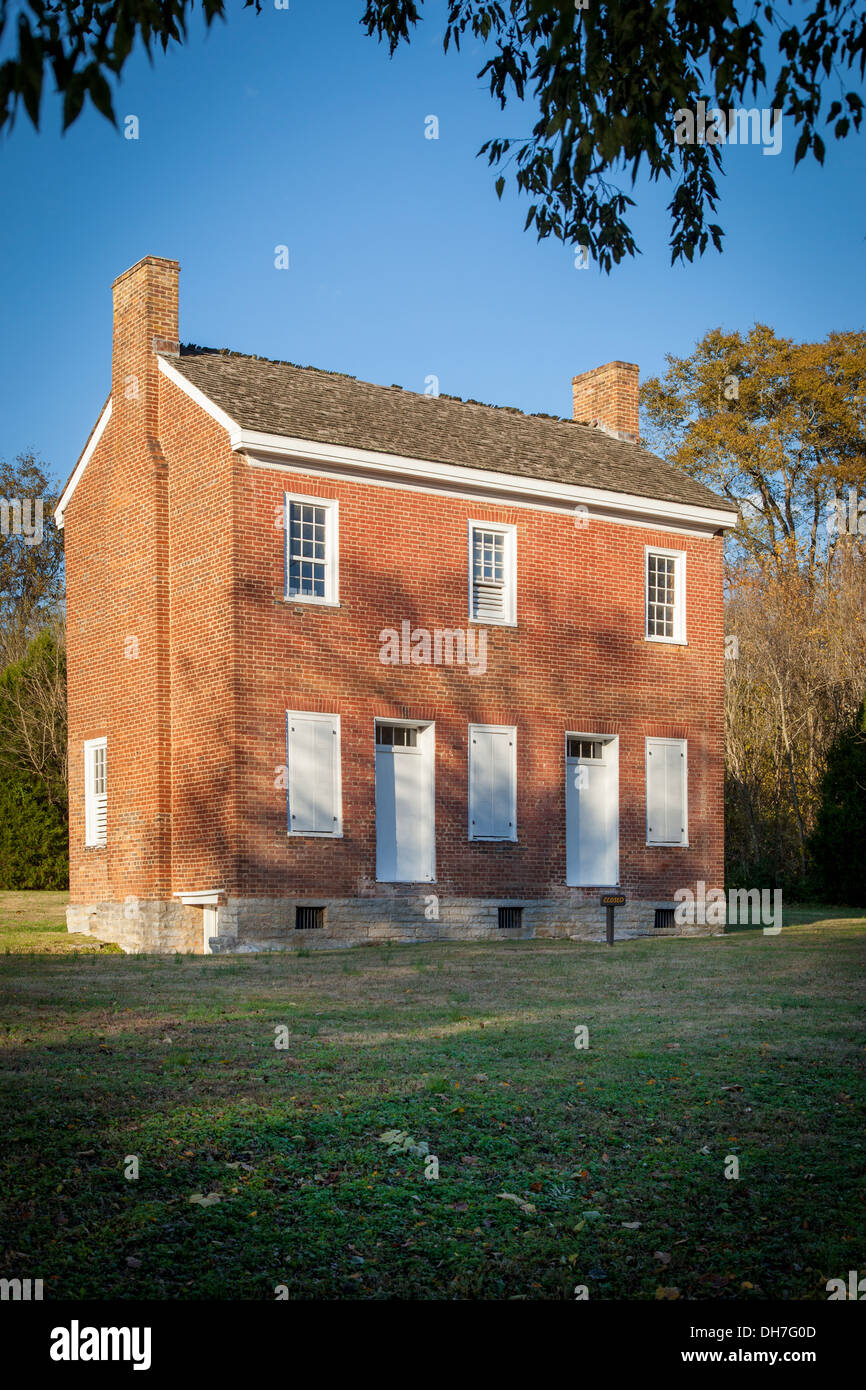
576	661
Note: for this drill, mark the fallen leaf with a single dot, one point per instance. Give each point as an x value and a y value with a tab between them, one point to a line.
630	1225
667	1293
209	1201
512	1197
662	1256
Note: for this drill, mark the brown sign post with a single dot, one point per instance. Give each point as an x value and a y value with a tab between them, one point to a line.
611	901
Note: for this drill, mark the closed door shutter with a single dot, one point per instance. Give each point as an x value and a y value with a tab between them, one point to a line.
666	791
492	783
314	774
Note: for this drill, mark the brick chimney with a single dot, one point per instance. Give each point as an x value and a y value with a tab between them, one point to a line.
145	307
136	700
607	398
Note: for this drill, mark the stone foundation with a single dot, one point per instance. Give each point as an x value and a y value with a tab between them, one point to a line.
268	924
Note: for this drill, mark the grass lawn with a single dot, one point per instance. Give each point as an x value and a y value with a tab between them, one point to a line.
746	1046
37	922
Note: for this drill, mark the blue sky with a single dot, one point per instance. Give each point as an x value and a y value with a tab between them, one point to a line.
294	128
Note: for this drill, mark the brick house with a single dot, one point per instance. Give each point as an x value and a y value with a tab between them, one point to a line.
347	662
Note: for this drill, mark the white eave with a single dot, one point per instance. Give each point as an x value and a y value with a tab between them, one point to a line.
273	450
66	495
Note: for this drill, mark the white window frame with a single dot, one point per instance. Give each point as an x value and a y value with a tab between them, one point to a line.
493	729
331	598
683	744
332	720
92	839
509	531
679	558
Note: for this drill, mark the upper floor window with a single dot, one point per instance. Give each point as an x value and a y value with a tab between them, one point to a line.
492	573
95	791
665	595
311	549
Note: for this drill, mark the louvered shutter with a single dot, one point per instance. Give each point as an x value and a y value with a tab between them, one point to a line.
488	602
95	792
313	754
492	783
666	791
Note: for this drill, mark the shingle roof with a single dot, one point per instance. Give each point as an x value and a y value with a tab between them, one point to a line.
329	408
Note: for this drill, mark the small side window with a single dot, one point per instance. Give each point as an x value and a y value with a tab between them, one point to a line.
95	791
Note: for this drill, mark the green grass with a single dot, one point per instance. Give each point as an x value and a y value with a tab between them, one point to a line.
744	1045
36	922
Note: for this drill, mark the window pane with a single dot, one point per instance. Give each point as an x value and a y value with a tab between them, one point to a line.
307	550
661	595
488	557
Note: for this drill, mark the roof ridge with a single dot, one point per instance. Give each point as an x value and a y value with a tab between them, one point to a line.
194	350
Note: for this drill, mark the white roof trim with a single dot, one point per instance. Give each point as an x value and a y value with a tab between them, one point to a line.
207	405
66	495
273	450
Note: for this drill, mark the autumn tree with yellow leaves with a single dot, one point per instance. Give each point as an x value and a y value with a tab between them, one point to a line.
777	427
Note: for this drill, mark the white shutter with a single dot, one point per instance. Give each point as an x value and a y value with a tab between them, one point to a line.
313	753
95	791
492	782
488	602
666	781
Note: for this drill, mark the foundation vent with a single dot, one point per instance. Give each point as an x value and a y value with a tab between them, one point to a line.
306	918
510	917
